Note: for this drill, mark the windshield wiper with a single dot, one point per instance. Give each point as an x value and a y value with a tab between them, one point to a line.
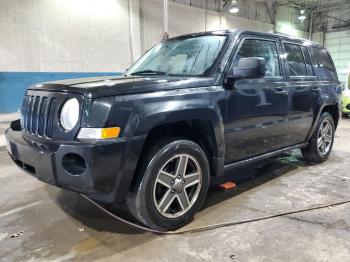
149	72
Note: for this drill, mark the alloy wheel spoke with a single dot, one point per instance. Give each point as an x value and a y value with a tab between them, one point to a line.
166	201
319	141
165	178
191	179
183	199
181	166
322	130
323	147
328	138
326	128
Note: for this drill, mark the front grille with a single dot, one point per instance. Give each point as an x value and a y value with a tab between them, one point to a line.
38	114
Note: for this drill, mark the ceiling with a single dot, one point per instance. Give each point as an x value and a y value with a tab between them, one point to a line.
324	15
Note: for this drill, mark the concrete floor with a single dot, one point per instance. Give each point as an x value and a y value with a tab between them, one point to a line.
59	225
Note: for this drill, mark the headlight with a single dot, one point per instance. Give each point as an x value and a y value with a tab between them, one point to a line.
70	114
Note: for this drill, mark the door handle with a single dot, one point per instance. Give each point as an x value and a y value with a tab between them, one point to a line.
316	89
281	92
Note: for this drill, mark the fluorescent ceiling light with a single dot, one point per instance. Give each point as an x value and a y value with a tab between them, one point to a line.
234	10
233	7
302	15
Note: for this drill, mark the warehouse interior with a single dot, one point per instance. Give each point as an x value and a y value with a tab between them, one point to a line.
48	40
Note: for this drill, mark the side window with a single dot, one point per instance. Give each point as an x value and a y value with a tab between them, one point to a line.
261	48
295	60
309	71
323	64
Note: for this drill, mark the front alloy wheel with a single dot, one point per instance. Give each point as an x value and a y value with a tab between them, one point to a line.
177	186
175	179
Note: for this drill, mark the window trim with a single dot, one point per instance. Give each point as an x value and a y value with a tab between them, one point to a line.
268	39
308	52
296	78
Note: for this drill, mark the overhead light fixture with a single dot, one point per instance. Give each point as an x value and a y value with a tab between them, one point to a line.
302	15
234	9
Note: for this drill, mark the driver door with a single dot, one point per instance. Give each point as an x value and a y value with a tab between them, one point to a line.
257	109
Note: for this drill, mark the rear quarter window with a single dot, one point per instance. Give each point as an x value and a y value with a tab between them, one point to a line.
323	64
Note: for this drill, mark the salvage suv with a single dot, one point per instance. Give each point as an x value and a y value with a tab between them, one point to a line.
192	108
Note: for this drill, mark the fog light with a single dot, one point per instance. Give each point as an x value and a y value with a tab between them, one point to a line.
74	164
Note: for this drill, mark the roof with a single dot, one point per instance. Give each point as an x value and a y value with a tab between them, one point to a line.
241	31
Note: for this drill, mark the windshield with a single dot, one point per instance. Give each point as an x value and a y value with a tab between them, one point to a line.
193	56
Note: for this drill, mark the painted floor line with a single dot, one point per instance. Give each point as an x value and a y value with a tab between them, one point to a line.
2	140
13	211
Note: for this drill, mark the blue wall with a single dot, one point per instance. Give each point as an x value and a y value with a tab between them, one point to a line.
13	85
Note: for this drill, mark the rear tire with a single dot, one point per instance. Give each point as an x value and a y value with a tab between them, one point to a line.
175	180
321	142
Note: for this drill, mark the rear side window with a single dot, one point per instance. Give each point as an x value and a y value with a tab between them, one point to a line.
295	60
261	48
323	64
308	63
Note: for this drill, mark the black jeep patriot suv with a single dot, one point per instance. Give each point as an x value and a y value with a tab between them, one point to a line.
193	107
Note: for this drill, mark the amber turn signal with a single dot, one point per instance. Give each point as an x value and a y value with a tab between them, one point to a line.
99	133
110	132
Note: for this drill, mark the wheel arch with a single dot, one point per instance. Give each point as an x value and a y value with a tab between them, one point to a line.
204	128
333	109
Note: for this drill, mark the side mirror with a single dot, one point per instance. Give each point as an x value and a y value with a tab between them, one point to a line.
248	68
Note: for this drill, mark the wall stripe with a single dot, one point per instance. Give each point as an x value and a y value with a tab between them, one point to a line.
14	84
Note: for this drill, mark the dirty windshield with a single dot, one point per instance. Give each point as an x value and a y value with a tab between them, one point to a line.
193	56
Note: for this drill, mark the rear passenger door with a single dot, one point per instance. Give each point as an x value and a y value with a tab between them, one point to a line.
302	90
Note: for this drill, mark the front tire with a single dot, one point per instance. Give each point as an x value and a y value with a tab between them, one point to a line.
321	142
175	180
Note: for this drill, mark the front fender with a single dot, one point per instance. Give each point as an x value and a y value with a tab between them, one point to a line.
138	114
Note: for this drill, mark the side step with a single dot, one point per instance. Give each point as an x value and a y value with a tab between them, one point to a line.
262	157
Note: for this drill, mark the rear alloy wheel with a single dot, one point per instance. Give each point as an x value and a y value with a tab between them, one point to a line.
324	137
173	185
321	142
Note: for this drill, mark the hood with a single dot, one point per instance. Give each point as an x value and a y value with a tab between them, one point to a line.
111	86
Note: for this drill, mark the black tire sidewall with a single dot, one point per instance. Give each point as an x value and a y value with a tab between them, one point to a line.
148	213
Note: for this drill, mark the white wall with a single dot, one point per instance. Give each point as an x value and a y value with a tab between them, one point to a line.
318	37
288	23
185	19
95	35
338	44
64	35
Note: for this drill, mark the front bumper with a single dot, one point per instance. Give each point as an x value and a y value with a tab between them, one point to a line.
109	165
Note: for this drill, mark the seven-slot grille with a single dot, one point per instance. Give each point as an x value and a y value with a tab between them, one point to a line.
38	113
